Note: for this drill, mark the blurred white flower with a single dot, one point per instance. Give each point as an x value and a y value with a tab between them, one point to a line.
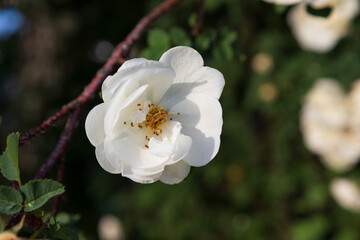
158	117
346	193
8	235
321	34
110	228
317	33
331	125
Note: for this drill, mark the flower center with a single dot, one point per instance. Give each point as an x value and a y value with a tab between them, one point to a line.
155	118
153	121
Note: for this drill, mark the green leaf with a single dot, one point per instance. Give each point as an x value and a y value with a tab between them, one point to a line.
66	233
9	160
2	225
312	228
223	52
230	37
192	19
212	5
179	37
0	120
10	200
38	192
65	218
280	9
158	38
202	42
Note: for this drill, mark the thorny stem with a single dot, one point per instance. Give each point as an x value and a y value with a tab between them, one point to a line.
20	225
15	219
116	59
62	145
199	21
60	179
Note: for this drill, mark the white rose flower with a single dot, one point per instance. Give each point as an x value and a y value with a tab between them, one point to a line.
346	193
330	124
158	117
321	34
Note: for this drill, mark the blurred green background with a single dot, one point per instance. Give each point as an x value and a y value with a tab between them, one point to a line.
263	184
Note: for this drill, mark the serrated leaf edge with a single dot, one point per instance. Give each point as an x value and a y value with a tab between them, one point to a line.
16	203
7	143
42	180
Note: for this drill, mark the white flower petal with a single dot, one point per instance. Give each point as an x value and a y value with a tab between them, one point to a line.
184	60
135	62
346	193
94	124
201	119
183	148
131	150
165	144
158	75
119	107
191	76
204	80
138	116
143	175
175	173
320	34
104	161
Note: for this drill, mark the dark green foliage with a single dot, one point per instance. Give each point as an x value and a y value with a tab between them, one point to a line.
2	225
158	42
38	192
263	184
9	159
179	37
10	200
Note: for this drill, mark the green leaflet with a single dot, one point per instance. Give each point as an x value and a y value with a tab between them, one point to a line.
2	225
38	192
9	160
179	37
10	200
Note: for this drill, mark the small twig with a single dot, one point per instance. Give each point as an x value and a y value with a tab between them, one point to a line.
15	219
199	21
117	57
34	236
20	225
62	145
15	185
60	179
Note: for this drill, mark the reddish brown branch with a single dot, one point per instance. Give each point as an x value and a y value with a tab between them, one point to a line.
116	59
60	179
199	21
62	145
